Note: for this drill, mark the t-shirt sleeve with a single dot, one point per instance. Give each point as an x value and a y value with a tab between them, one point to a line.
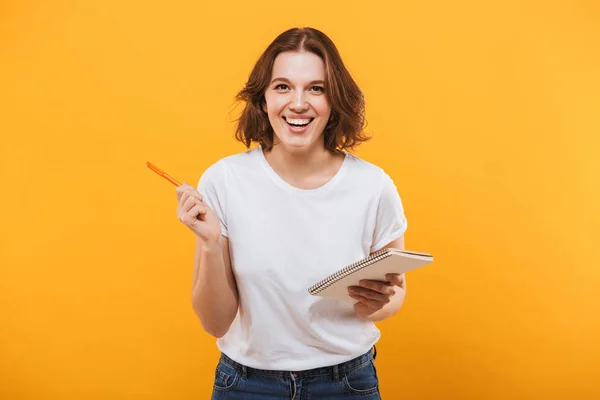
390	223
212	186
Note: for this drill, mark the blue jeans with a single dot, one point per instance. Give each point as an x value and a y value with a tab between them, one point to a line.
356	378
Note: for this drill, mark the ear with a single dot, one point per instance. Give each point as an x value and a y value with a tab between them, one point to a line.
264	106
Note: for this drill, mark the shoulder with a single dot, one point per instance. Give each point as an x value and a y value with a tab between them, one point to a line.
368	172
219	170
360	165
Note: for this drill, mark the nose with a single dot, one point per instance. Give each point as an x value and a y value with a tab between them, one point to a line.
299	103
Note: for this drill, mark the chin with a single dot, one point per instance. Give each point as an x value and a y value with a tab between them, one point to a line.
296	144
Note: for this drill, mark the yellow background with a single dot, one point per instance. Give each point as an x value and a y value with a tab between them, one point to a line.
486	114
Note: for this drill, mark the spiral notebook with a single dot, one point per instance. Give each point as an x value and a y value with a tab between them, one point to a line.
374	267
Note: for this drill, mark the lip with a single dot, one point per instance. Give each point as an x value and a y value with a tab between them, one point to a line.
298	130
298	116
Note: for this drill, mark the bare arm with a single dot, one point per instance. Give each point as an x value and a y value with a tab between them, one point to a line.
214	290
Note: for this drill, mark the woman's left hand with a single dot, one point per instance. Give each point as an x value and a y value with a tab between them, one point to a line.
372	296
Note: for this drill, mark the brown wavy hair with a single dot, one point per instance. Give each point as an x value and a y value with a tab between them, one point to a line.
344	129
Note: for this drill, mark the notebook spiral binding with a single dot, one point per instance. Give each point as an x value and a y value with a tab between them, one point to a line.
325	283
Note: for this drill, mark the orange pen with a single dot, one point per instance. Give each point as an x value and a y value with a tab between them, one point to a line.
162	173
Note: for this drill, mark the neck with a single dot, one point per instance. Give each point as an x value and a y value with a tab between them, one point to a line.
305	169
299	163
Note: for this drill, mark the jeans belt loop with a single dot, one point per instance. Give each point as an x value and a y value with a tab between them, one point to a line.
336	373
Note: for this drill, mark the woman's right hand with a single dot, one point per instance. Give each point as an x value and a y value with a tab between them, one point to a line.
193	213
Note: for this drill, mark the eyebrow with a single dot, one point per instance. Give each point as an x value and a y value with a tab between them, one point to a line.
288	81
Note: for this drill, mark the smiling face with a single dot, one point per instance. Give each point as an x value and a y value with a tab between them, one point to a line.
296	104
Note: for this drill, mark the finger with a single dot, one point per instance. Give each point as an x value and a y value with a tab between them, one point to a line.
381	287
190	217
196	194
180	190
197	210
370	303
370	294
185	207
185	191
193	193
182	196
190	203
395	279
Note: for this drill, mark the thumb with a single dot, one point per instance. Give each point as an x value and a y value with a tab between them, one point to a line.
209	215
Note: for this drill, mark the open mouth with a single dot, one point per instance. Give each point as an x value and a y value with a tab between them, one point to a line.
297	122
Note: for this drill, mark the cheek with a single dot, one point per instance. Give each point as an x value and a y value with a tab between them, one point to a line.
274	106
322	107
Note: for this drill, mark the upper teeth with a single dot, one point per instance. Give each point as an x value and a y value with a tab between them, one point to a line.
298	121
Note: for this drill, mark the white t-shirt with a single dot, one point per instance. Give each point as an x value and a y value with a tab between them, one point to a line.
283	240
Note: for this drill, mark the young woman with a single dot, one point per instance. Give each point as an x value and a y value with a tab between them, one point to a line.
277	218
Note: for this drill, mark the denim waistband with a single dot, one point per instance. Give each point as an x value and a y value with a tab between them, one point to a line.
334	370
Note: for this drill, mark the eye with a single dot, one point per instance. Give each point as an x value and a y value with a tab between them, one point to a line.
281	86
318	88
